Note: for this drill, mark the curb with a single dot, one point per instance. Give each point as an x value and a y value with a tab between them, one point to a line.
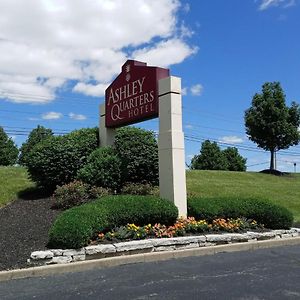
144	257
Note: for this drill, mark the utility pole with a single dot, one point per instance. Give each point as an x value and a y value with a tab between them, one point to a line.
295	165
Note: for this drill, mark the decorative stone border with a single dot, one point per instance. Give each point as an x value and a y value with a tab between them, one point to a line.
59	256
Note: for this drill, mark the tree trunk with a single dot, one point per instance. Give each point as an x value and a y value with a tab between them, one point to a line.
272	159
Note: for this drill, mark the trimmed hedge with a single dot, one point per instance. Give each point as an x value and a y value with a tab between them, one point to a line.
75	227
271	215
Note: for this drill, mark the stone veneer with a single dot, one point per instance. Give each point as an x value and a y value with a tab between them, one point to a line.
60	256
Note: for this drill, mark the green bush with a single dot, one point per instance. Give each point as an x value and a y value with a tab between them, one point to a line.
75	227
137	189
140	210
138	151
271	215
69	195
35	136
102	169
56	160
96	192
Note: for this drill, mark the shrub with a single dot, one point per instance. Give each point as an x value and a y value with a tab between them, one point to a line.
271	215
102	169
35	136
8	149
140	210
96	192
138	189
71	194
75	227
56	160
138	151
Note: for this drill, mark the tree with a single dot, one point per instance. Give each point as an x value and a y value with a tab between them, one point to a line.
8	150
235	162
211	157
35	136
270	123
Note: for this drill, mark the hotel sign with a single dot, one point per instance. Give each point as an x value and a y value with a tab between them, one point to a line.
133	95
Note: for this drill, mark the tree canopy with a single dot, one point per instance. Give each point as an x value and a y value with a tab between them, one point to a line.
8	150
35	136
270	123
211	157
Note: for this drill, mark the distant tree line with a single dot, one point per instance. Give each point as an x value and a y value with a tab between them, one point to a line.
211	157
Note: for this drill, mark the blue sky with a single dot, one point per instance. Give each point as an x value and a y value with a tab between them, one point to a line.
57	57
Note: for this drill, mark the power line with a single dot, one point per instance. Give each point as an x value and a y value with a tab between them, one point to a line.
207	127
211	115
36	113
5	95
263	163
238	146
27	128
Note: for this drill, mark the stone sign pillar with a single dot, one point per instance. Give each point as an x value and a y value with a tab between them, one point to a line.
107	135
172	177
140	93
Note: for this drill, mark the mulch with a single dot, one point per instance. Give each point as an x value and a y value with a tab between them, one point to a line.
24	226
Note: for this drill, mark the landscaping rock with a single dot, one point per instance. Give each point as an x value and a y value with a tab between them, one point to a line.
36	255
133	245
164	248
187	246
108	248
79	257
267	235
60	260
252	235
218	238
74	252
57	252
178	240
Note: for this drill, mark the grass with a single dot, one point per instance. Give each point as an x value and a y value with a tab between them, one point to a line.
283	190
12	181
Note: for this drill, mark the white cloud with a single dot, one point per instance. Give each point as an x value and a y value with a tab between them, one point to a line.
266	4
197	89
78	117
165	53
47	43
95	90
231	139
51	115
184	91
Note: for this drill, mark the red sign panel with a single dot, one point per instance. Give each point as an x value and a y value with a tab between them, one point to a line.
133	95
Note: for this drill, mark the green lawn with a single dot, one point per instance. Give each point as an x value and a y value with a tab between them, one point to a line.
284	190
12	181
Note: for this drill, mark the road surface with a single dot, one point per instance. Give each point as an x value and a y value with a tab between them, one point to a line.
262	274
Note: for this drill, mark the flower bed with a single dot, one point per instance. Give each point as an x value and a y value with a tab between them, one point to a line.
182	227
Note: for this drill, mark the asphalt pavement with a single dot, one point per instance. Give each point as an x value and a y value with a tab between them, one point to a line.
272	273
